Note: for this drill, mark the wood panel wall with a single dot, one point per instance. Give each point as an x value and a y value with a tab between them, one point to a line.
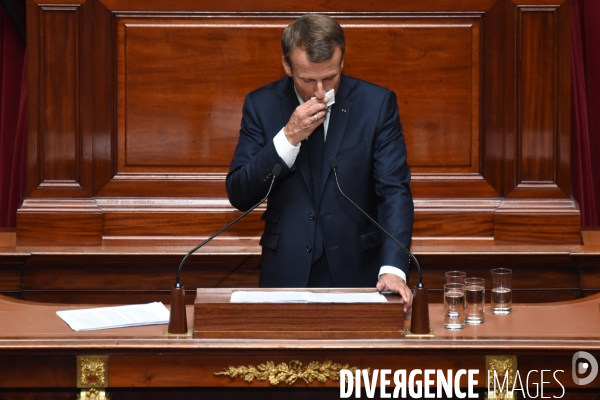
135	108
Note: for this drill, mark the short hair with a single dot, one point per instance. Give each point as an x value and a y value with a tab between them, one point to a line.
319	35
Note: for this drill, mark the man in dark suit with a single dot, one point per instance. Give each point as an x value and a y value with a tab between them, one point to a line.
313	236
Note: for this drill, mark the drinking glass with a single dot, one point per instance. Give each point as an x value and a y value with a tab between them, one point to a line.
474	300
454	306
501	291
455	277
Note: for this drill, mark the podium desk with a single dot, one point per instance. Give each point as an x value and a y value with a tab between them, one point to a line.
41	356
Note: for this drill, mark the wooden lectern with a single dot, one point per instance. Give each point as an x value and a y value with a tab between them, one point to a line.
216	317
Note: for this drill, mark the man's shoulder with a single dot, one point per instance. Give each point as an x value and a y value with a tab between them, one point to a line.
359	87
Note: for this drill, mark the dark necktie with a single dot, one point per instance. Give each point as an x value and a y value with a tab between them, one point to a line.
316	145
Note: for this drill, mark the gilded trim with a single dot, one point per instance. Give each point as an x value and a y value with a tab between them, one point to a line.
502	366
93	394
92	371
289	373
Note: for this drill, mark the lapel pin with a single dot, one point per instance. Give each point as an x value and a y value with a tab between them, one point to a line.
343	110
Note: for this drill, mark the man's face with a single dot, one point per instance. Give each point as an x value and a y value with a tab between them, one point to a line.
314	79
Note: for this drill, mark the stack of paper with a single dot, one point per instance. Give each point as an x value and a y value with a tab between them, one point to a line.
305	297
115	317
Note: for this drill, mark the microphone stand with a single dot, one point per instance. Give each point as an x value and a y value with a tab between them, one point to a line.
177	316
420	315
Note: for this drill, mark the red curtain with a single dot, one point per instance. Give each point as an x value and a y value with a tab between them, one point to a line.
12	114
585	139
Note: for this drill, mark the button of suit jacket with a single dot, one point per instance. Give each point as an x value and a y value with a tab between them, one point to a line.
308	249
311	216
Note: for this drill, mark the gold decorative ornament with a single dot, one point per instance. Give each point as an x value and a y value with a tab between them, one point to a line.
290	372
93	394
505	368
92	371
178	335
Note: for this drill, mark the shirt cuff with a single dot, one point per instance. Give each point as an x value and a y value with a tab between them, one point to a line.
285	149
388	269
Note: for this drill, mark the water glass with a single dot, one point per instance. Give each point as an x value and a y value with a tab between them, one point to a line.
455	277
454	306
474	300
501	291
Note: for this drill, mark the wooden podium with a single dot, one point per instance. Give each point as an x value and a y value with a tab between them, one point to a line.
216	317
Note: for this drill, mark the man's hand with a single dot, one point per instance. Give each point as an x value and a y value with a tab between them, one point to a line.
305	119
393	283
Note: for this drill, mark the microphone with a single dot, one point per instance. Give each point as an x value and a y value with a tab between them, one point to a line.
177	317
420	318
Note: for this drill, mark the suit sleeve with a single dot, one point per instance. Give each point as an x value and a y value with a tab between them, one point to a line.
392	185
249	176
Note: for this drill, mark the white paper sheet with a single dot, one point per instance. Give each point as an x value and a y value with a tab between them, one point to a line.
305	297
115	317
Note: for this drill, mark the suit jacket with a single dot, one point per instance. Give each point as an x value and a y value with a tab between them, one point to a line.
365	136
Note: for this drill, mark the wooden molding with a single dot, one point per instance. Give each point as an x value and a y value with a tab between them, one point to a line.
134	121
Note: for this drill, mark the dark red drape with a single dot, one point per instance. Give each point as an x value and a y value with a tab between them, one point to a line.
585	142
12	115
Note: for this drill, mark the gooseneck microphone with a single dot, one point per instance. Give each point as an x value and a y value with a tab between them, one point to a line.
274	173
177	319
333	166
420	318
